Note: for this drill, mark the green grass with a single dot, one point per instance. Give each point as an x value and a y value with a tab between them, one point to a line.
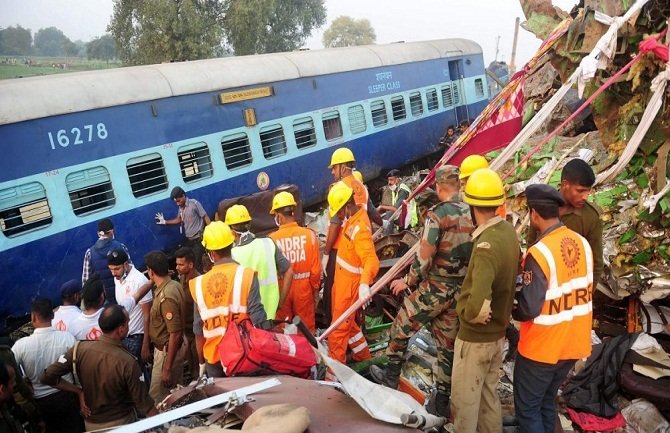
42	66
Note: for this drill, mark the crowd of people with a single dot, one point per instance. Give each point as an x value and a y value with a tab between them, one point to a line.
468	279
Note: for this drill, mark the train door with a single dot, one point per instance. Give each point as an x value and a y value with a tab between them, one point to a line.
458	90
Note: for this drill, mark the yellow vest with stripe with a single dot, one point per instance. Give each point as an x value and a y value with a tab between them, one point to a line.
220	293
411	206
562	331
259	255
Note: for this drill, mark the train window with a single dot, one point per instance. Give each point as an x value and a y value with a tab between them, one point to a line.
398	107
24	207
357	119
332	126
236	150
379	116
194	162
305	134
431	97
447	98
415	104
146	174
457	93
273	141
90	190
479	87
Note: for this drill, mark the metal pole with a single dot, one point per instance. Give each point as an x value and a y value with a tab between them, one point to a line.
512	66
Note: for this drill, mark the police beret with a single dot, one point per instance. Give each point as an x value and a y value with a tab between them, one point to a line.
70	287
393	173
105	225
445	172
543	195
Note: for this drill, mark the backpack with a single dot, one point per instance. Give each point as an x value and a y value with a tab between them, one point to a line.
249	351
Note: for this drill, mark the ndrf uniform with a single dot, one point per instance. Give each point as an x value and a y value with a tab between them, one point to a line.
301	247
356	264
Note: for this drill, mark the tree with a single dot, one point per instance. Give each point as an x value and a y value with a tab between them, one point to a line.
346	32
268	26
15	41
155	31
102	48
51	42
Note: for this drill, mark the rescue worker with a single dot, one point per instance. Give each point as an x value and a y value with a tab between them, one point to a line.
228	291
471	164
95	258
399	193
483	306
262	256
438	270
577	179
355	269
555	324
301	246
341	167
166	328
191	218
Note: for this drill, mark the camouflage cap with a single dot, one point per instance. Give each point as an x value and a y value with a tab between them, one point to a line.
445	172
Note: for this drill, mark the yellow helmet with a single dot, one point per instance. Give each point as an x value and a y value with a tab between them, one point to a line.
484	188
217	236
340	156
358	175
237	214
283	199
471	164
338	196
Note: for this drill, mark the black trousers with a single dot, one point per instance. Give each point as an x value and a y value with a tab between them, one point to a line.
60	412
328	288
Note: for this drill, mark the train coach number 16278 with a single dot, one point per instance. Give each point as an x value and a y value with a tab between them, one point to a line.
78	136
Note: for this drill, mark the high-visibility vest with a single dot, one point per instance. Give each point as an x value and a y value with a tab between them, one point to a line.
411	206
259	255
222	291
562	331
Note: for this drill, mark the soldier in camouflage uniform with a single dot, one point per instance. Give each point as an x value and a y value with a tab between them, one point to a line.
438	270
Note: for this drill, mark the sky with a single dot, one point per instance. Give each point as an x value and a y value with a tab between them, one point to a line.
393	20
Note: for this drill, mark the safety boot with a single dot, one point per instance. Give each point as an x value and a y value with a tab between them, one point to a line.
438	404
388	376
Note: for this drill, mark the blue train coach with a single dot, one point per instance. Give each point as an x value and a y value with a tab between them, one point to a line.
84	146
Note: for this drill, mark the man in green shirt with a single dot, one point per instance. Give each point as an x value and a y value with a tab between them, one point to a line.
577	179
483	306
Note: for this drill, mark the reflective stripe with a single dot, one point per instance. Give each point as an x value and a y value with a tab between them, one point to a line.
549	257
301	276
564	316
356	337
356	349
353	269
219	331
236	306
207	313
555	291
355	231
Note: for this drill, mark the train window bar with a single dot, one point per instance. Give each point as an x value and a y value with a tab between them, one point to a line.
304	132
147	175
24	208
273	141
90	190
447	98
195	162
456	88
416	104
479	87
379	116
332	126
357	119
236	150
431	98
398	107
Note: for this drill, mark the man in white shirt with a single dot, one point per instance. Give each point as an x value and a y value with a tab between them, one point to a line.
70	294
85	327
59	410
127	282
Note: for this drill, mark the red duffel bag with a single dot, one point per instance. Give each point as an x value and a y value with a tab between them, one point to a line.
249	351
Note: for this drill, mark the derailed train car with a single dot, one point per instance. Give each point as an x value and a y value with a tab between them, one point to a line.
80	147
